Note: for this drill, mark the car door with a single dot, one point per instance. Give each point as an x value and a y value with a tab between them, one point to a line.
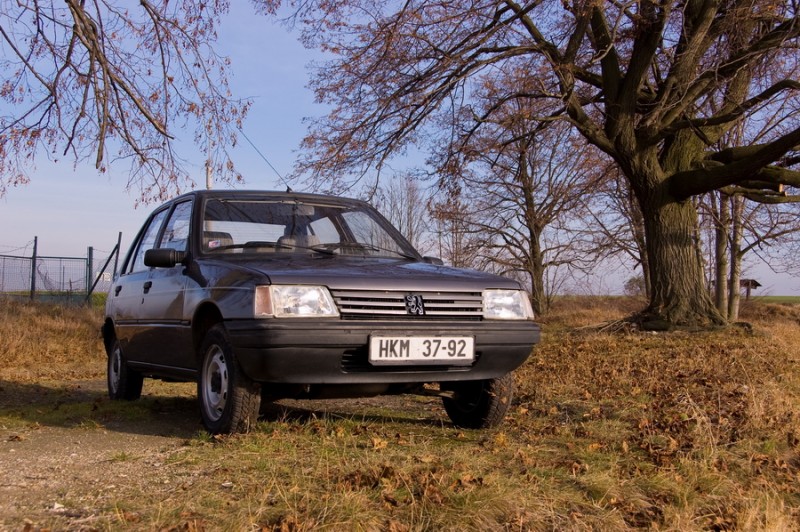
166	340
127	294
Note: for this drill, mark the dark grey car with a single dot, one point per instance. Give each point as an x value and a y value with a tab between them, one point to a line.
258	296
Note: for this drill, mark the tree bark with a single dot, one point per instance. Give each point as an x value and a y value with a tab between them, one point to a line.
536	271
638	231
736	259
721	250
679	296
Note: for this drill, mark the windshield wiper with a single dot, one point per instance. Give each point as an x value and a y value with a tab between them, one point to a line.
357	246
327	249
277	246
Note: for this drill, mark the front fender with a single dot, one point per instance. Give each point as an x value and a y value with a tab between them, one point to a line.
108	334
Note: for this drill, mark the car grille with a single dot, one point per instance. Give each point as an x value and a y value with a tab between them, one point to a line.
382	304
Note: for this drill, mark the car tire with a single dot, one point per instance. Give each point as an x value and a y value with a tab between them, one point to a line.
123	382
479	404
229	400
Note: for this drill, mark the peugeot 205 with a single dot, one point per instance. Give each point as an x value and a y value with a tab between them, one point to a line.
260	296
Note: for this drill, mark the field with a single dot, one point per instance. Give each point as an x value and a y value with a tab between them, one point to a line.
610	430
782	300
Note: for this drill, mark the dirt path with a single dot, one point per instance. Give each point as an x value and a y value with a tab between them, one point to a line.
61	455
67	451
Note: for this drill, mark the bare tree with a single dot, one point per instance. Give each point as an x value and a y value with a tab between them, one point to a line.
402	201
617	216
743	228
652	84
111	81
529	186
743	221
457	238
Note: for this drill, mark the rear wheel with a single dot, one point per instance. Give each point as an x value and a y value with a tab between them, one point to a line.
123	382
229	400
479	404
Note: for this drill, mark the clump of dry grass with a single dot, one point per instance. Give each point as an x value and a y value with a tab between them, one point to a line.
40	341
581	311
766	313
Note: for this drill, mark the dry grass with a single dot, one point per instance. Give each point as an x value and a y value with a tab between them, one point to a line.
618	431
40	341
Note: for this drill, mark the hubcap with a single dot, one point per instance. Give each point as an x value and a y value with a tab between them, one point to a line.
115	368
215	383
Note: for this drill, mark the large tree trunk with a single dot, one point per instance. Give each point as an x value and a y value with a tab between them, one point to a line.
679	296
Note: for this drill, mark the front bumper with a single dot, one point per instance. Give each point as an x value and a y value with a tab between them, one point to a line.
310	351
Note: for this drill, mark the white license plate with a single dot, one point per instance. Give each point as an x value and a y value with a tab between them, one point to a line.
449	350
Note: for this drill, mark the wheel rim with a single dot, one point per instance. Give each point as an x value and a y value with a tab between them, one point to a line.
215	383
115	368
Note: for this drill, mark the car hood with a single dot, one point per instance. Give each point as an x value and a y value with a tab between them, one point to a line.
368	273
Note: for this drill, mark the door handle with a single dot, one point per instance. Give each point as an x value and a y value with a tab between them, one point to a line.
117	290
147	286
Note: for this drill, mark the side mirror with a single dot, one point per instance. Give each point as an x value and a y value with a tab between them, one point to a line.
164	257
433	260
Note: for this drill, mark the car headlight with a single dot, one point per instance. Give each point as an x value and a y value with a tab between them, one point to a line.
294	301
506	305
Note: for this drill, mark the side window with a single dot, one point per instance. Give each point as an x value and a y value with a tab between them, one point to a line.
148	241
176	234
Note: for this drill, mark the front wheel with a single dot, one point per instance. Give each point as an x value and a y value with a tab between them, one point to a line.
479	404
123	382
229	400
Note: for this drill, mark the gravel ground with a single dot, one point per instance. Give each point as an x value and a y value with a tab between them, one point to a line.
61	474
49	470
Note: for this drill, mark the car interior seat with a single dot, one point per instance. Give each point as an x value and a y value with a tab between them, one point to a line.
297	239
297	242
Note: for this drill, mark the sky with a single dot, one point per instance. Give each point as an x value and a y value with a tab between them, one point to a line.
70	208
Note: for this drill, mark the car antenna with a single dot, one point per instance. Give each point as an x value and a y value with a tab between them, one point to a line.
288	188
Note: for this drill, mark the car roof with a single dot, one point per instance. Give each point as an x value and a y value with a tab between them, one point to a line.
266	194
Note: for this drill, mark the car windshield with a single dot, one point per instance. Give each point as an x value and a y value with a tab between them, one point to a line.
287	226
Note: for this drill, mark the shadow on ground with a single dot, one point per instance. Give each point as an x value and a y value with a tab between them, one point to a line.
86	404
407	409
171	410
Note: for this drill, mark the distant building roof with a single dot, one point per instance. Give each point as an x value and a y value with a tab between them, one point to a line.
749	283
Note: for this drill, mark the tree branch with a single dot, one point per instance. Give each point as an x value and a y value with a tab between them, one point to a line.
709	79
726	118
750	165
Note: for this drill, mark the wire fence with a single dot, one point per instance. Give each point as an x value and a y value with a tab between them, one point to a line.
71	279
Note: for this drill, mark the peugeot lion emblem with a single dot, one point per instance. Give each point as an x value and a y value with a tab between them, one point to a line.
415	305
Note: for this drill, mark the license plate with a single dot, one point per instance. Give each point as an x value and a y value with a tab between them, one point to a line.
449	350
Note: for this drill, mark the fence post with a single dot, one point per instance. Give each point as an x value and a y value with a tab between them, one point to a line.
113	255
116	256
89	268
33	267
